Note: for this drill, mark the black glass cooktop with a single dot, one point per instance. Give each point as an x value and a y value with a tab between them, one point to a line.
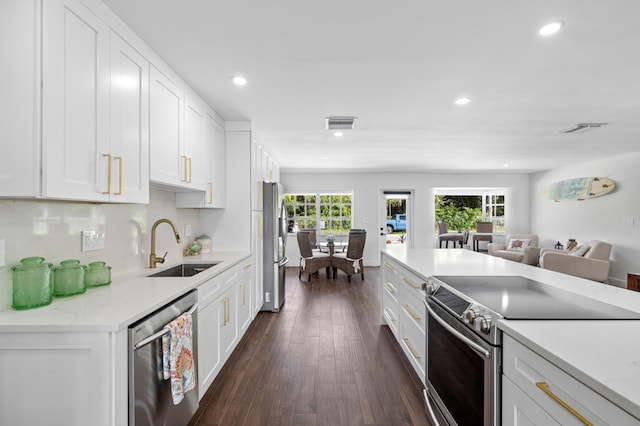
516	297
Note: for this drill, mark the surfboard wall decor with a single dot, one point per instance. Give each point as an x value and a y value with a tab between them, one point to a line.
579	188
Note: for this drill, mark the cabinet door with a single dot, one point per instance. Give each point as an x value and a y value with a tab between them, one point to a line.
229	321
519	410
256	176
210	321
216	163
128	158
19	85
75	113
193	155
165	130
257	249
244	296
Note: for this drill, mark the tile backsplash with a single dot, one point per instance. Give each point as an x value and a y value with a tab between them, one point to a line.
52	229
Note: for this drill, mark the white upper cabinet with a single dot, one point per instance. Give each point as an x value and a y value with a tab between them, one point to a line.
75	106
211	163
166	131
20	88
125	167
193	154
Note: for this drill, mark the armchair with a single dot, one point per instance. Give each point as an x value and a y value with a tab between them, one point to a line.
518	248
593	265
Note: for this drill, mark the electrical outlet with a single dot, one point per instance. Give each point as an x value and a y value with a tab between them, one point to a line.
92	240
187	230
267	297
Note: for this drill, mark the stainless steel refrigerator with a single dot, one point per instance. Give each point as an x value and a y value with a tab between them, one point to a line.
274	244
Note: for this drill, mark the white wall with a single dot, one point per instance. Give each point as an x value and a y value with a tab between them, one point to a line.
51	229
366	189
603	218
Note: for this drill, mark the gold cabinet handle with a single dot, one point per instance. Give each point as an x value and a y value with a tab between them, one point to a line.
119	160
390	314
544	387
390	288
184	169
108	191
244	294
210	192
406	342
408	281
389	266
228	319
247	266
410	312
189	161
225	303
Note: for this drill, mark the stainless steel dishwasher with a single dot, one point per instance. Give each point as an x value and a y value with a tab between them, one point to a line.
150	400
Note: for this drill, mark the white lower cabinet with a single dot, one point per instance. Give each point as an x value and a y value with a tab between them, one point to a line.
404	312
63	378
535	391
224	314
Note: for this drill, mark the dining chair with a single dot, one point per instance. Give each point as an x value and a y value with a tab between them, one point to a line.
484	232
446	236
350	262
310	261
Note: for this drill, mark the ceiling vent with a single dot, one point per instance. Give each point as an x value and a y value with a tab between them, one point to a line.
339	123
583	127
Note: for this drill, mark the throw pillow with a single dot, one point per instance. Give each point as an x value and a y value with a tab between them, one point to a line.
580	250
518	244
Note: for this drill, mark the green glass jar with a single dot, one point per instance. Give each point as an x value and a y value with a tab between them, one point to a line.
32	283
97	274
68	278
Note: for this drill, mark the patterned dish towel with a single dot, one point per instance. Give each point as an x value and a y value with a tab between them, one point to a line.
177	356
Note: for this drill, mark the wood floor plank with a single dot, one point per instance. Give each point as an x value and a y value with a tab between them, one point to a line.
324	359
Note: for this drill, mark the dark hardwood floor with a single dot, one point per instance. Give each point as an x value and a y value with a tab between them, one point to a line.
324	359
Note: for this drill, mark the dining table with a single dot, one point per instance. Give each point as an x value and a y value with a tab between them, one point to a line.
335	247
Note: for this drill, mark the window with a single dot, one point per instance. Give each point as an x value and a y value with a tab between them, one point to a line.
461	208
326	213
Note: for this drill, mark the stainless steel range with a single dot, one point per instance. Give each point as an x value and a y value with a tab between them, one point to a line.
463	347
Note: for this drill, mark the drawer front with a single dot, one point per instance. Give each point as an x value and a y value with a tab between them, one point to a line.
415	312
412	284
559	394
390	314
209	291
413	342
520	410
390	271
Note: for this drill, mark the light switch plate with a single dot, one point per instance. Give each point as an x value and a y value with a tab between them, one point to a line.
92	240
187	230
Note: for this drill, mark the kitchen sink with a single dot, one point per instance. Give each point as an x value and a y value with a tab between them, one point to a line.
184	270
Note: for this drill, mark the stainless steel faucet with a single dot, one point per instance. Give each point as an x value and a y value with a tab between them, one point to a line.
153	259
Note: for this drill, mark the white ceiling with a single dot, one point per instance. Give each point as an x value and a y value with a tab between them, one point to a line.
398	66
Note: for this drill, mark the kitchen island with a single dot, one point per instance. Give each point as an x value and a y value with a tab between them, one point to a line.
67	363
601	356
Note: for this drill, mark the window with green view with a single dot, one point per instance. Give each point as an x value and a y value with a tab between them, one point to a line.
326	213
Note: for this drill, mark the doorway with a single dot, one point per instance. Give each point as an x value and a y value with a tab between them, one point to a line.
396	219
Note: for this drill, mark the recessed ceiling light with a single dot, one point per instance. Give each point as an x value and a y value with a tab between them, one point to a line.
324	158
551	28
239	81
505	165
338	134
463	100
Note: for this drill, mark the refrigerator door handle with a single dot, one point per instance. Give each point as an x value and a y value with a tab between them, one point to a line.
284	261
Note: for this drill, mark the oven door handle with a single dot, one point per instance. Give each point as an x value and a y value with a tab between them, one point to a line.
473	345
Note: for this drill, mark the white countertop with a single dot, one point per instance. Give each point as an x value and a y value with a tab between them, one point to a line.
604	355
113	307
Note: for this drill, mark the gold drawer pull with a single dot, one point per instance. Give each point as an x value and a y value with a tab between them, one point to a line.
210	192
410	312
544	387
390	288
390	314
408	281
389	266
406	342
247	266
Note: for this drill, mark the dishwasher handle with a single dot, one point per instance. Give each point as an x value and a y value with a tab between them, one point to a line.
160	333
